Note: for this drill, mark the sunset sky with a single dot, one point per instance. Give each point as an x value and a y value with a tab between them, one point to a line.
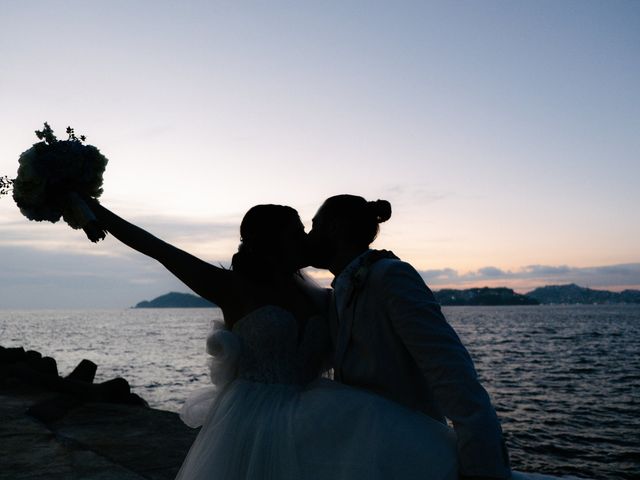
505	134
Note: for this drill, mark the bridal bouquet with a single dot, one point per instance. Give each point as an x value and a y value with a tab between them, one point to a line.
53	178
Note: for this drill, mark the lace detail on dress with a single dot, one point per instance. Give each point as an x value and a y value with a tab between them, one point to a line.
269	346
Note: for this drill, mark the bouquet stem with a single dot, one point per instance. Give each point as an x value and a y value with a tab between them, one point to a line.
82	216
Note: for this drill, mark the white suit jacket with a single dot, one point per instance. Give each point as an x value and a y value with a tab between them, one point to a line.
390	337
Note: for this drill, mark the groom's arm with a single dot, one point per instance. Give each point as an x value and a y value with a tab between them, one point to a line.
448	369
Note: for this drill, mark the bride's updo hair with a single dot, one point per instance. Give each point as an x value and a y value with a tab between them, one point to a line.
260	254
361	217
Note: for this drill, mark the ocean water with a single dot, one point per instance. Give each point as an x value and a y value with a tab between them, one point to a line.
565	380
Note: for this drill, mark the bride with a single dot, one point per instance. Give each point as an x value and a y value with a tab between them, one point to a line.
269	414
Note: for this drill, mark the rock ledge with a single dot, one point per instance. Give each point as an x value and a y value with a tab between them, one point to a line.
52	429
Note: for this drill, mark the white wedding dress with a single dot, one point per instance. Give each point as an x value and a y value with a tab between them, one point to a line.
264	419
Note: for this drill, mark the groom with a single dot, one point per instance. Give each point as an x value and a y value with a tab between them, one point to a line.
390	336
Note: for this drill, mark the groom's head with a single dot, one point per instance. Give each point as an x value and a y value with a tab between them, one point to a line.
345	225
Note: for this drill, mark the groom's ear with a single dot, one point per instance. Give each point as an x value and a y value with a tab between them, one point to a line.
330	225
339	227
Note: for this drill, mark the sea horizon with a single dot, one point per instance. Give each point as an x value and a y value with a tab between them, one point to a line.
524	292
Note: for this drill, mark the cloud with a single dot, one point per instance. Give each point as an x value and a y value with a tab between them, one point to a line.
208	239
418	194
52	266
32	278
491	272
444	275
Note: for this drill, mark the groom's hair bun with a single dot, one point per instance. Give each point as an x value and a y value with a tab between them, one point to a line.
381	209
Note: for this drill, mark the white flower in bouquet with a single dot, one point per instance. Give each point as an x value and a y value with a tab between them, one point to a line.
53	178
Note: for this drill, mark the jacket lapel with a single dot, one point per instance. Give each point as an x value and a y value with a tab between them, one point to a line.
345	309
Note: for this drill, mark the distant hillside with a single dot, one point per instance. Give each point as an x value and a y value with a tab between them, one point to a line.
482	296
176	300
572	293
553	294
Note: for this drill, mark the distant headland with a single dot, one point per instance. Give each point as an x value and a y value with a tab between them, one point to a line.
486	296
572	294
177	300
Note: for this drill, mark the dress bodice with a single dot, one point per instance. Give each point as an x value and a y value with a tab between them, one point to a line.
269	337
270	350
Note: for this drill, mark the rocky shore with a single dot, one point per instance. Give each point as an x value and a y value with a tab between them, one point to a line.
54	427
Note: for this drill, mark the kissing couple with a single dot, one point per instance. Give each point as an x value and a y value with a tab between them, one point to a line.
360	381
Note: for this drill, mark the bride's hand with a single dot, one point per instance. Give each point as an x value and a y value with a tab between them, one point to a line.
79	214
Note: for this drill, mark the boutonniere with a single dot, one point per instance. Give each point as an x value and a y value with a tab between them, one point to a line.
358	277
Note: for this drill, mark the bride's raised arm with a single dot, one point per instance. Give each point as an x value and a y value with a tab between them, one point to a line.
210	282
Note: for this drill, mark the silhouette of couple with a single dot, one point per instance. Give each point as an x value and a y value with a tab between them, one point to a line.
399	369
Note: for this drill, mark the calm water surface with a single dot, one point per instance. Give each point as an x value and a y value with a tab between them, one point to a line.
565	380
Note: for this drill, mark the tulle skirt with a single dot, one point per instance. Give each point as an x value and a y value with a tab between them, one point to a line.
324	431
